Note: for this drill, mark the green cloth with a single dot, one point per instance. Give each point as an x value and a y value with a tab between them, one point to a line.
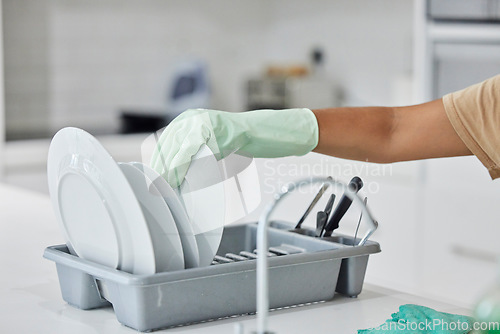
259	134
420	319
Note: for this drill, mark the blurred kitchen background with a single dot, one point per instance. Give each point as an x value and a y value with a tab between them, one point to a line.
121	69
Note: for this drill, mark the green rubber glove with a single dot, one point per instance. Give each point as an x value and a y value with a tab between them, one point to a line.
417	319
259	134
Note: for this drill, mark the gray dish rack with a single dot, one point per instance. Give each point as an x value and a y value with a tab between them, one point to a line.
305	269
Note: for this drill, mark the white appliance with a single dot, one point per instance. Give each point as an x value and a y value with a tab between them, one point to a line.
464	10
457	44
312	89
285	92
189	87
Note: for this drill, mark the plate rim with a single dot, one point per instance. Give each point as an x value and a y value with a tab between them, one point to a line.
167	191
160	212
205	152
71	141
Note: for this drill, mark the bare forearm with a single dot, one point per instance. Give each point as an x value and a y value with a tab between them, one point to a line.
359	133
386	134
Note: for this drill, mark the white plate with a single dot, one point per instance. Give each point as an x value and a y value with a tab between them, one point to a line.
189	246
166	240
241	186
101	218
202	193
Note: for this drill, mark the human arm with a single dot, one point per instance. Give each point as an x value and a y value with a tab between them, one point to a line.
388	134
375	134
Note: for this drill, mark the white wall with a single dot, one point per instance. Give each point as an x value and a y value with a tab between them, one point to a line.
26	43
368	43
2	102
111	54
79	62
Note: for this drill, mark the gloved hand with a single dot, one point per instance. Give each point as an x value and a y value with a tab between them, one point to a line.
259	133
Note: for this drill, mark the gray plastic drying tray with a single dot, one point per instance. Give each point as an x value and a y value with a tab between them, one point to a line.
149	302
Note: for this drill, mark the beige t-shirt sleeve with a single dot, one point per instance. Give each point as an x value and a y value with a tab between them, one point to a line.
474	112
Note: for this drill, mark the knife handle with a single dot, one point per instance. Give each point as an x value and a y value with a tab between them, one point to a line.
321	219
345	202
329	205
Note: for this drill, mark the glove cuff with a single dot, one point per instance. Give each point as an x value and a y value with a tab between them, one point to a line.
313	128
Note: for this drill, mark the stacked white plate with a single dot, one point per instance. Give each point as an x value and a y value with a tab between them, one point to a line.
126	216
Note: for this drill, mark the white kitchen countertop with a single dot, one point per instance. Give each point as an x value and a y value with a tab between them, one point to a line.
30	300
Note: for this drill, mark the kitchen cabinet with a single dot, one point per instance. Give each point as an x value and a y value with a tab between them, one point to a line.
459	224
461	228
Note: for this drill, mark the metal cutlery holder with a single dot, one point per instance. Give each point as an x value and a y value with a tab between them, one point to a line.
312	271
